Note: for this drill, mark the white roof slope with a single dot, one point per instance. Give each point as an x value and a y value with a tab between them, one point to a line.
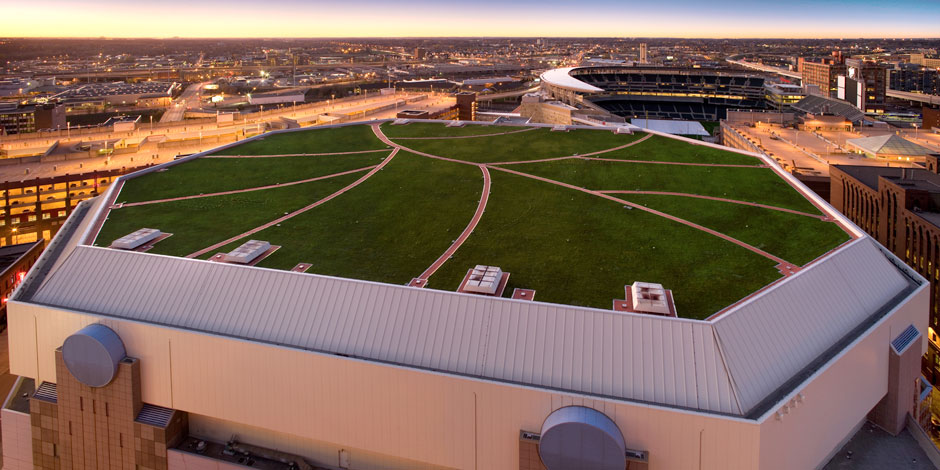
562	78
889	144
654	359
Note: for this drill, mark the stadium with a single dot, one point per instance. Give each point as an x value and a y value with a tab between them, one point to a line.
417	294
656	93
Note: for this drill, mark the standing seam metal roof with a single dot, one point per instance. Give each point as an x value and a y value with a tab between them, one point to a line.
725	366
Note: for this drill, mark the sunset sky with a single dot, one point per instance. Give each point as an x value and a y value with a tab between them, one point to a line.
368	18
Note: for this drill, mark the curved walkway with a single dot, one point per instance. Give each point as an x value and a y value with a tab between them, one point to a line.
673	218
298	211
713	198
424	154
630	144
297	154
466	136
236	191
785	267
583	156
659	162
422	279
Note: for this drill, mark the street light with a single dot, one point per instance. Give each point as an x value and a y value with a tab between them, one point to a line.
14	235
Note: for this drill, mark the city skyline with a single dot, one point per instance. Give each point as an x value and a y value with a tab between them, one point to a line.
486	18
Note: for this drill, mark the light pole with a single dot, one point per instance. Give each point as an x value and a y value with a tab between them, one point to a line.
14	235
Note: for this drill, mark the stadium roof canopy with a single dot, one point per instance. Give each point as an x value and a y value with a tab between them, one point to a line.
889	145
562	78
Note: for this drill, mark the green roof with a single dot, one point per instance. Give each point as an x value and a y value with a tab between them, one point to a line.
574	215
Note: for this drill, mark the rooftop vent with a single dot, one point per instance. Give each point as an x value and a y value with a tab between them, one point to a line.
247	252
47	392
484	280
905	339
136	239
649	297
154	415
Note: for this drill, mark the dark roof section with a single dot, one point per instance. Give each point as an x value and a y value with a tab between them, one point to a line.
868	175
10	254
821	105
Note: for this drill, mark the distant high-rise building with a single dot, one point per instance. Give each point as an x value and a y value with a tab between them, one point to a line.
644	58
863	84
915	79
420	53
466	106
823	74
921	59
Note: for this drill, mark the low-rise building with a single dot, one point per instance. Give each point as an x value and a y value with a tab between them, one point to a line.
22	119
898	207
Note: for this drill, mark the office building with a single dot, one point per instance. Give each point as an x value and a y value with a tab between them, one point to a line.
466	105
823	74
914	79
863	85
22	119
897	206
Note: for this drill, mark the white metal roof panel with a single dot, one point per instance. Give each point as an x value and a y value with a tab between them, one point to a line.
773	336
729	365
562	78
638	357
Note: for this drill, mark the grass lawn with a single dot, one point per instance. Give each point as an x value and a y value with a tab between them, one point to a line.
335	139
664	149
390	228
578	249
759	185
198	223
532	145
795	238
426	129
212	175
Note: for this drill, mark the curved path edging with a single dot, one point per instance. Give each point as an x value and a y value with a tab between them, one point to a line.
297	212
246	190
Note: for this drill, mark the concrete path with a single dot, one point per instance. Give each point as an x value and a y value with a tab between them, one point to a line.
652	211
583	156
297	154
712	198
421	281
659	162
466	231
296	212
236	191
467	136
